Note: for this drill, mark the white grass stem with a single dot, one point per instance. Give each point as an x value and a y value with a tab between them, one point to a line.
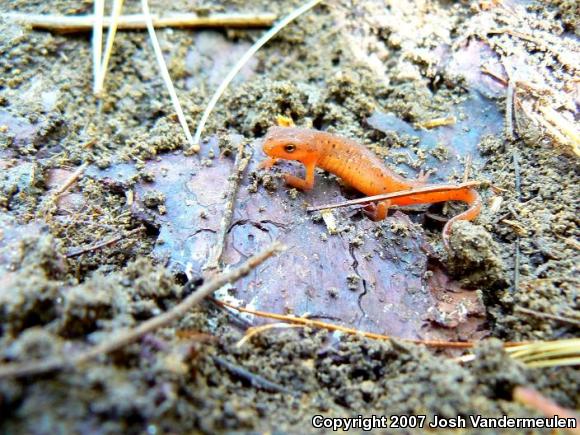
117	8
166	76
244	59
97	41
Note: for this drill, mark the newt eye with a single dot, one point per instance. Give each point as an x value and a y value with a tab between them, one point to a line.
290	148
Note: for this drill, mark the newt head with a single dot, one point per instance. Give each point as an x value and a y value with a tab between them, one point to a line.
291	143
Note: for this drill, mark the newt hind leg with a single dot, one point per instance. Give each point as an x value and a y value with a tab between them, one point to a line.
377	212
423	177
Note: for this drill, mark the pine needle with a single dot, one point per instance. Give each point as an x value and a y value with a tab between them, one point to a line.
311	323
548	353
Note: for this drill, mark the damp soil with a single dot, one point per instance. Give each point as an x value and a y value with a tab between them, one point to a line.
337	68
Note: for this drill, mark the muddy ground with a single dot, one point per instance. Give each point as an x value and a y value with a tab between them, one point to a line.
369	70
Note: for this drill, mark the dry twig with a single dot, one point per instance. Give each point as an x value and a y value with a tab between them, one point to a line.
254	379
517	254
534	399
509	111
556	317
80	251
494	75
84	23
558	53
213	262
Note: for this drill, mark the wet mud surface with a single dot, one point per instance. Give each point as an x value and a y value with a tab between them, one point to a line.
385	74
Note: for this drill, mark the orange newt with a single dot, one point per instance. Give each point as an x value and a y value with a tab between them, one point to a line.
359	168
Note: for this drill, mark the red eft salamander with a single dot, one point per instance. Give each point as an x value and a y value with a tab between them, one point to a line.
359	168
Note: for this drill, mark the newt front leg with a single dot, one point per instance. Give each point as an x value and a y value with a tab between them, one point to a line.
267	163
299	183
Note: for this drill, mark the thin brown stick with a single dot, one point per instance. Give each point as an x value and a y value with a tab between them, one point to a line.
75	252
213	262
518	188
509	111
493	74
547	315
539	43
517	175
84	23
332	327
402	193
254	379
123	338
467	170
